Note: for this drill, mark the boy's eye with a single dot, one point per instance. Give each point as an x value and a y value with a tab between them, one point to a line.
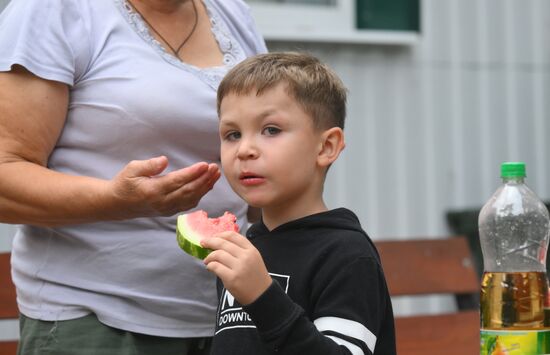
271	131
233	135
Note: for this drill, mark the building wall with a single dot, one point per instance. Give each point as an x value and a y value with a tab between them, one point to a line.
430	123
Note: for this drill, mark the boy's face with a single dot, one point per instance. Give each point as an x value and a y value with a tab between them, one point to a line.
269	149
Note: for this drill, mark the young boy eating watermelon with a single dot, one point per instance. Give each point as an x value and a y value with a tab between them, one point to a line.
304	280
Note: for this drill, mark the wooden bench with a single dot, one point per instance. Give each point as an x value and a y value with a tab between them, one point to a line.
8	304
412	267
435	266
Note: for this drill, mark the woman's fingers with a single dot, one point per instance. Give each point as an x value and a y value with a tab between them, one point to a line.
189	195
215	175
180	178
141	191
145	168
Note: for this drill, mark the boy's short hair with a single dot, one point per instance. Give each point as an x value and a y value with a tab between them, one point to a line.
311	83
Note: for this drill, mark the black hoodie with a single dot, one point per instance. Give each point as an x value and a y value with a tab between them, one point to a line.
329	295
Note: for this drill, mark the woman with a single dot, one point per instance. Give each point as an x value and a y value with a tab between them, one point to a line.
108	131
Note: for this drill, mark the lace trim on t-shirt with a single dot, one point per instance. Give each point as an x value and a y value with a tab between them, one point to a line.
230	48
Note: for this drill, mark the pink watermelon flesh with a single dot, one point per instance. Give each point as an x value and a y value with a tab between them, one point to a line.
192	227
200	223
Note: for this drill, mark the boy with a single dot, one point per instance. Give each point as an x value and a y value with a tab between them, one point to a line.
306	280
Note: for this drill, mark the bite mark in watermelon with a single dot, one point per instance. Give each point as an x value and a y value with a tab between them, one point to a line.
192	227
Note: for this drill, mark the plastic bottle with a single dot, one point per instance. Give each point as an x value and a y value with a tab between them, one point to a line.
514	229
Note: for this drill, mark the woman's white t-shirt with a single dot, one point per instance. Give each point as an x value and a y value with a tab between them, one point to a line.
129	99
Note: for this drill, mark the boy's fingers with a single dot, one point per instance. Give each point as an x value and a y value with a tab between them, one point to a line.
221	257
219	269
218	243
234	238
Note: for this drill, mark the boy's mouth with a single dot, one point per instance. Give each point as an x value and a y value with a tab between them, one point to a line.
248	178
248	175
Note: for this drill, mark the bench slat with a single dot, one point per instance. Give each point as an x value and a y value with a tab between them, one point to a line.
8	347
411	267
8	304
449	334
419	267
433	266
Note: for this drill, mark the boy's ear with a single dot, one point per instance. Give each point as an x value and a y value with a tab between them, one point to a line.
332	143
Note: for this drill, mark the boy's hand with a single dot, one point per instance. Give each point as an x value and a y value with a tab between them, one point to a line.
238	264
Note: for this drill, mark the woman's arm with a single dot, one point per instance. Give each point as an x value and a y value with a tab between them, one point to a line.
32	115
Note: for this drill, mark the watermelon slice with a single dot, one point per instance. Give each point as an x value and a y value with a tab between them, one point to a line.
192	227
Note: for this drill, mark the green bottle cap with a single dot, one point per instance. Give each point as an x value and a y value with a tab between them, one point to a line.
512	169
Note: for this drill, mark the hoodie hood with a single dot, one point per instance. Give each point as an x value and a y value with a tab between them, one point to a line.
337	219
340	218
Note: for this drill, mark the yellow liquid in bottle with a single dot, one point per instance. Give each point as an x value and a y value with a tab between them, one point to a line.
513	301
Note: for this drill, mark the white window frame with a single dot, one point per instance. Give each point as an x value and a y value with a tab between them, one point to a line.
320	23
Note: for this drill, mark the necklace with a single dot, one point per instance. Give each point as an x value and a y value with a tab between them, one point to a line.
175	51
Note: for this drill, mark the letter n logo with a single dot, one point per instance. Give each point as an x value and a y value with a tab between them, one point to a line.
228	300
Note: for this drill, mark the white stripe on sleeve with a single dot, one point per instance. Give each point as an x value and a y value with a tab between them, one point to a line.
347	327
355	350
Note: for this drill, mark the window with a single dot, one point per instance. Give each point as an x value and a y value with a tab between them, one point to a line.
393	15
353	21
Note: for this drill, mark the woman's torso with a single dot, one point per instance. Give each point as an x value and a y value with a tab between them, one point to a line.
131	100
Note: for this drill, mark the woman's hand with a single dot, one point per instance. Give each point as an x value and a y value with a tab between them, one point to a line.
238	264
32	116
139	190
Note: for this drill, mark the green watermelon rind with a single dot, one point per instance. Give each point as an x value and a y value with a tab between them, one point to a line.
188	240
190	247
190	226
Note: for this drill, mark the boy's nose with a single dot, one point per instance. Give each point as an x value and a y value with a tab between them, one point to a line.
247	150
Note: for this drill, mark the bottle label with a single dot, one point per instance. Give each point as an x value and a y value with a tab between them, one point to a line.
515	342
